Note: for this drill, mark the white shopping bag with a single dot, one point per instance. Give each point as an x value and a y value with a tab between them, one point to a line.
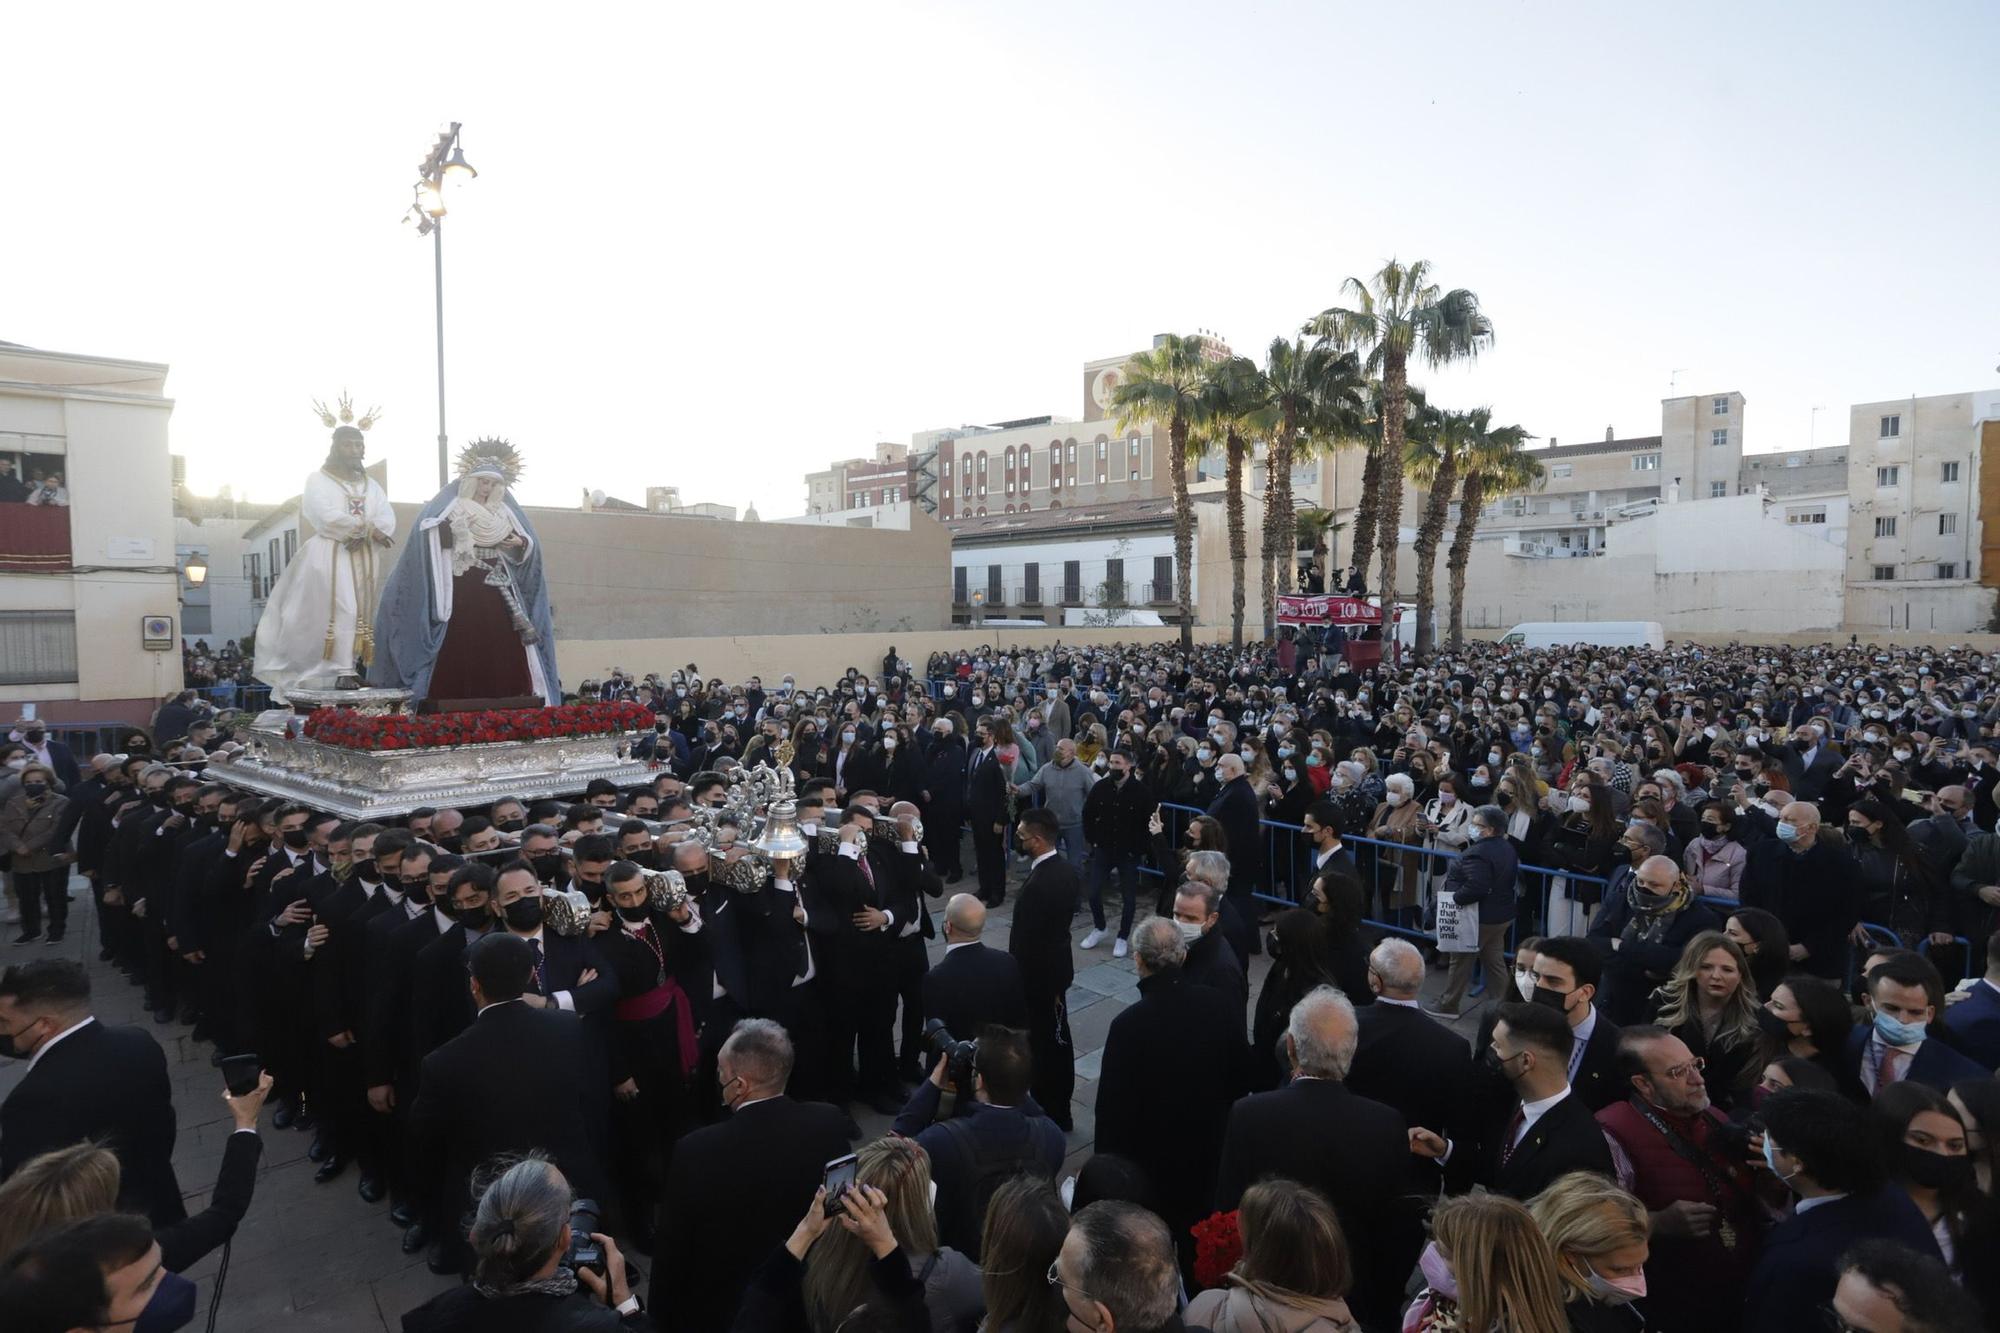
1457	927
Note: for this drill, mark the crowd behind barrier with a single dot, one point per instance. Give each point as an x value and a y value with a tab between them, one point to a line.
1646	1089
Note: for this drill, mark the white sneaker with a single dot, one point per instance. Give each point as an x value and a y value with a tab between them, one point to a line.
1093	939
1120	949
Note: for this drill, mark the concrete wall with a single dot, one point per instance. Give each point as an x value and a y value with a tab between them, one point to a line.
121	526
648	576
1665	567
818	658
226	591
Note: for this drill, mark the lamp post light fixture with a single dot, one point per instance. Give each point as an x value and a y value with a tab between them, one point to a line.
979	609
444	164
196	570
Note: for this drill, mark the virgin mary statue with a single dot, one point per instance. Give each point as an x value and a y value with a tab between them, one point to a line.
465	613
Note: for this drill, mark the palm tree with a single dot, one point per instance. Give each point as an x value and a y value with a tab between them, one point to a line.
1492	459
1432	453
1397	314
1164	383
1229	401
1369	507
1316	529
1311	397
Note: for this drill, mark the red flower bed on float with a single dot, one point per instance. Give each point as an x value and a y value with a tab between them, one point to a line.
410	731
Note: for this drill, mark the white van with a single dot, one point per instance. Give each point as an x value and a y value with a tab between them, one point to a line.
1592	633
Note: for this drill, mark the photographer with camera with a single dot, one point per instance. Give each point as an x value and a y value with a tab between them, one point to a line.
997	1132
535	1270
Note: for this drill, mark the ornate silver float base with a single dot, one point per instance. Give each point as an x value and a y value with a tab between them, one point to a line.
373	784
368	700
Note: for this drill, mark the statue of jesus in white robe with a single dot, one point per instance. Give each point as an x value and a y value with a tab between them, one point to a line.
316	623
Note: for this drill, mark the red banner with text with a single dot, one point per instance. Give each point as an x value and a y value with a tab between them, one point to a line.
1298	610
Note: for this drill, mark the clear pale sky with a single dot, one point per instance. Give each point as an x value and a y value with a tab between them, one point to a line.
717	248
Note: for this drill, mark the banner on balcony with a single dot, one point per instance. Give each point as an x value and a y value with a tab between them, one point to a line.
1297	610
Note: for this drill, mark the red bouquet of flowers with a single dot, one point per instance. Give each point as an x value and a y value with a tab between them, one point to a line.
409	731
1218	1244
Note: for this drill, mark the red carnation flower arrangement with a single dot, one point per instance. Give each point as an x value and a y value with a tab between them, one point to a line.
1218	1245
409	731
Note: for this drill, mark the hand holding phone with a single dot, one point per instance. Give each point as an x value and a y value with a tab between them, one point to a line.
837	1179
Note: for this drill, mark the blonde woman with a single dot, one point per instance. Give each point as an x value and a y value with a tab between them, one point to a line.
1487	1268
1710	1002
837	1279
1599	1234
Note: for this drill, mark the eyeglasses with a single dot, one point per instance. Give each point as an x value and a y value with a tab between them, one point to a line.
1694	1066
1055	1280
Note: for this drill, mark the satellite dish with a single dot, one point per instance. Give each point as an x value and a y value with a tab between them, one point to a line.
596	499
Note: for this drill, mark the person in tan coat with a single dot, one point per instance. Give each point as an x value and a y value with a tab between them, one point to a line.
1294	1273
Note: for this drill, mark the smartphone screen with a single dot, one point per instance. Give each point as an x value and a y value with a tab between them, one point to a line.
838	1179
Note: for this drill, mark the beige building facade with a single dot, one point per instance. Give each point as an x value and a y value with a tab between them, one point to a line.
85	587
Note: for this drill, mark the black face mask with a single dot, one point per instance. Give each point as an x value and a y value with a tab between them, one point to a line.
450	842
525	913
34	791
10	1048
473	918
34	737
1557	1000
1933	1170
511	825
635	914
416	888
364	868
1774	1027
297	839
547	868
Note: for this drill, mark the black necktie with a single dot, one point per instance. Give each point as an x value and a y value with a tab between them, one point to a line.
540	987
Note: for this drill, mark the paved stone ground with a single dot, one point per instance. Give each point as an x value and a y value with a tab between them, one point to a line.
316	1256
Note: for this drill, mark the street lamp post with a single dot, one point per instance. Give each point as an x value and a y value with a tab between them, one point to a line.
444	164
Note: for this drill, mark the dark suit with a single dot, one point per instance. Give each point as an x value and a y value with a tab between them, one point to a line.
517	1078
1800	1265
1354	1152
1040	943
107	1083
1813	892
1809	780
1408	1060
1235	807
986	806
1935	1064
1564	1138
1174	1065
1213	961
1596	1079
973	986
1974	1023
734	1191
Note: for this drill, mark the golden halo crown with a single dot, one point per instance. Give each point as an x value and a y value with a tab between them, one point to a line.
344	413
491	453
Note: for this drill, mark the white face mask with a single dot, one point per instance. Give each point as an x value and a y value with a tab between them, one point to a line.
1579	804
1188	929
1396	798
1902	756
1493	758
888	742
1524	982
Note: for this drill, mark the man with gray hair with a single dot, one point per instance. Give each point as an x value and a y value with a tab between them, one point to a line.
1316	1131
1116	1270
1211	960
1213	868
1238	810
1174	1064
1482	877
1404	1057
735	1189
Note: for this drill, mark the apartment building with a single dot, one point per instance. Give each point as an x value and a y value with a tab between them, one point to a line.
1913	474
1697	455
90	617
